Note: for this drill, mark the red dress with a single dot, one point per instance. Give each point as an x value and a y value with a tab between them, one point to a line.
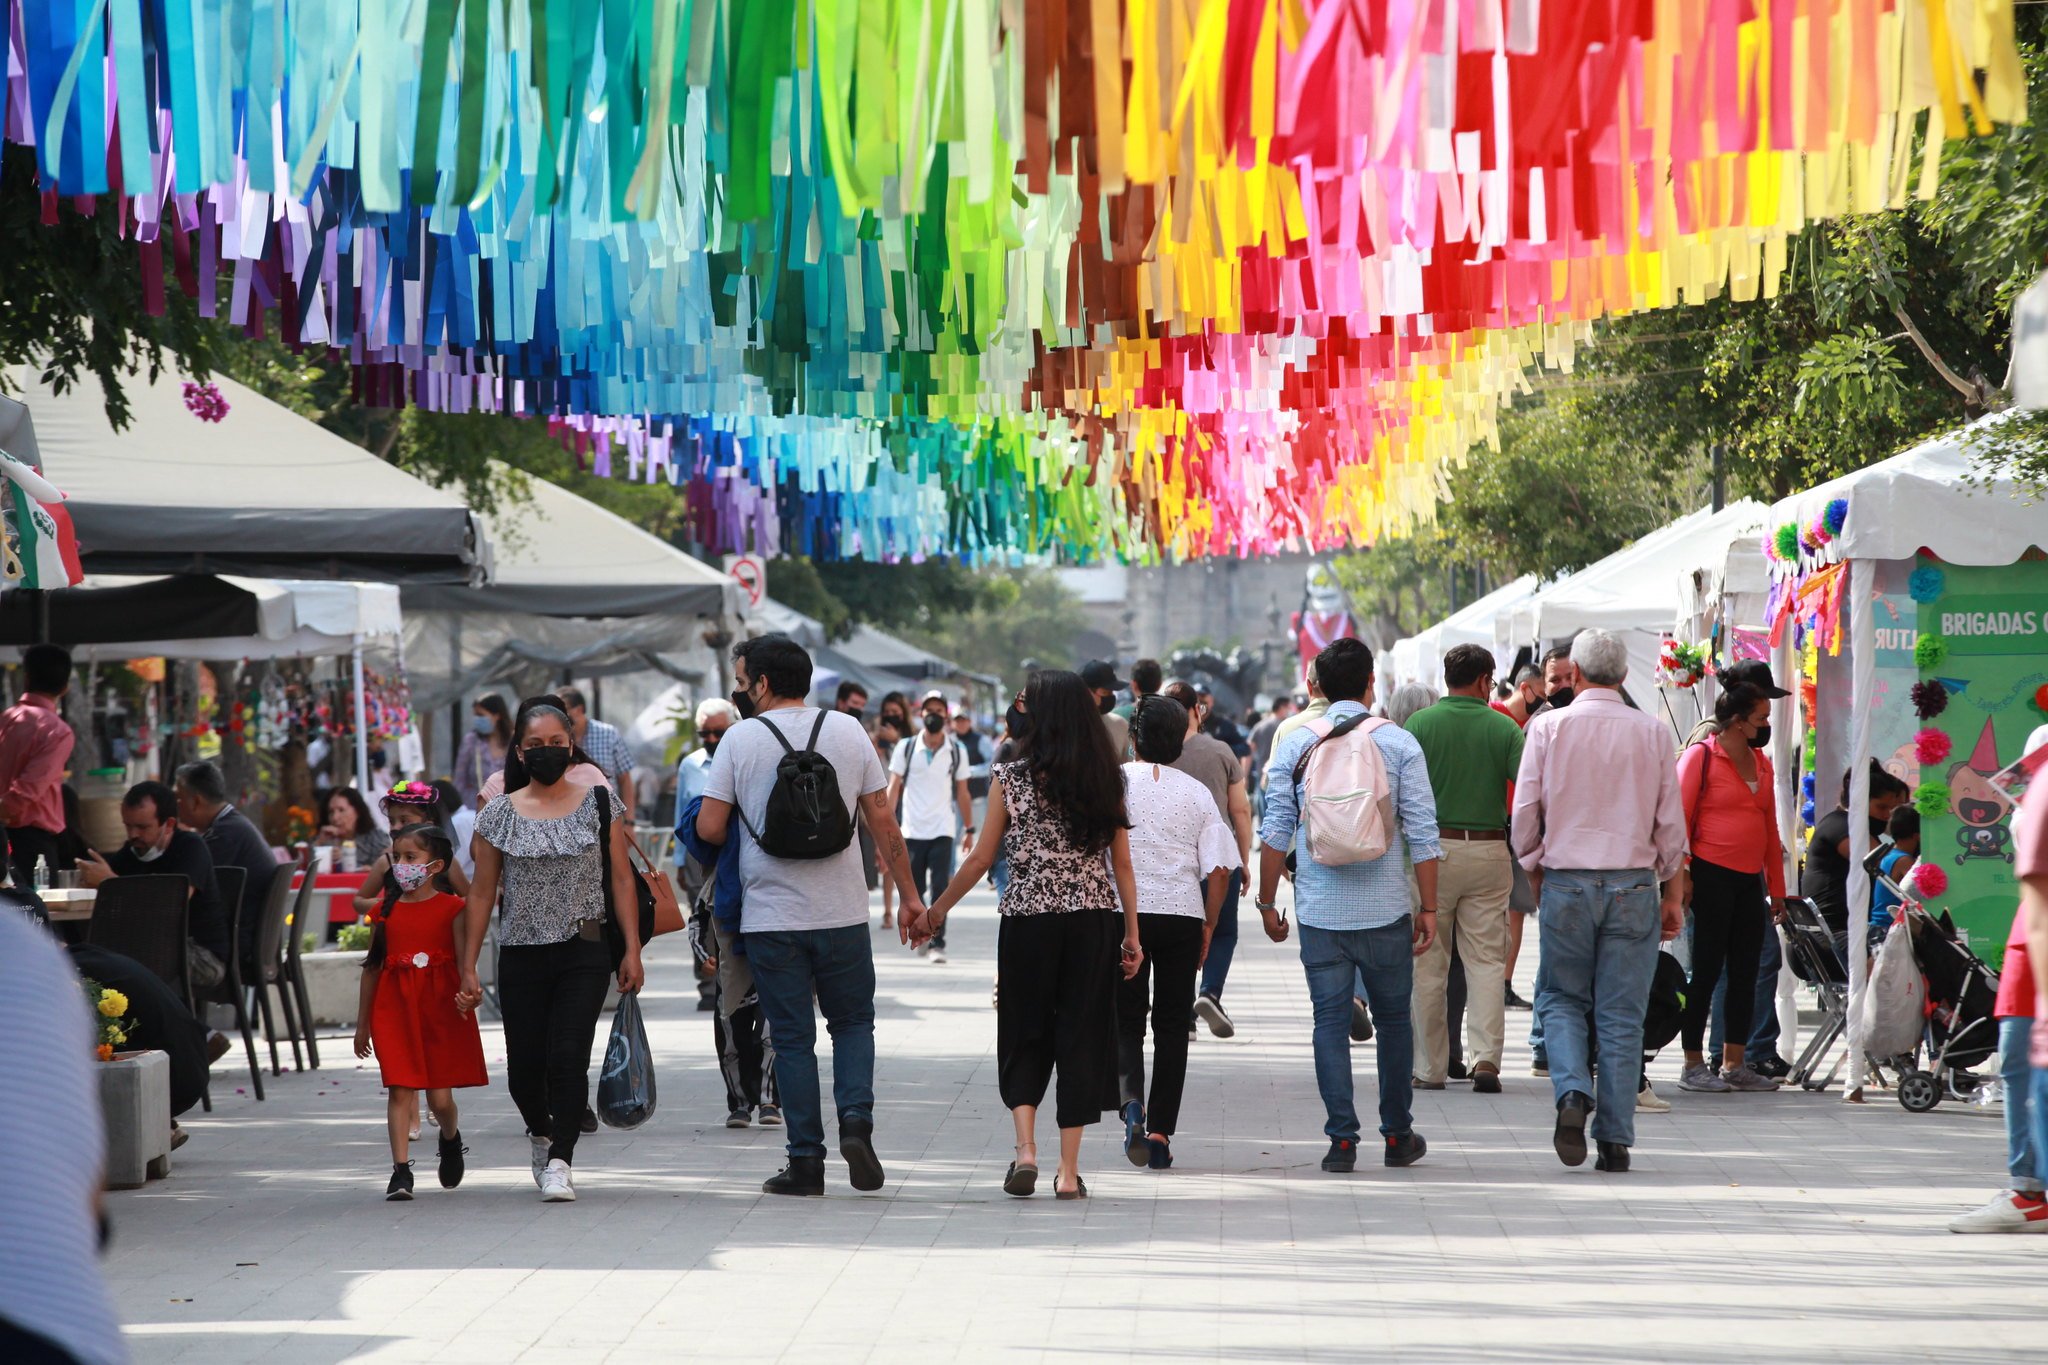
423	1042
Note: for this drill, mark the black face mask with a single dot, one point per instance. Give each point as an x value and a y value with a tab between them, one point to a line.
1018	721
546	765
933	722
742	703
1562	697
1107	704
711	740
1761	739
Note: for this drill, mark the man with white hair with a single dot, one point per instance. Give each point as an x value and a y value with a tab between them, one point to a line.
1598	826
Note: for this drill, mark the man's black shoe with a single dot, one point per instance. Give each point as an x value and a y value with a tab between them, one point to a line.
589	1120
1570	1137
1514	1001
1773	1067
1342	1156
856	1146
804	1175
1613	1157
1458	1071
1405	1150
452	1164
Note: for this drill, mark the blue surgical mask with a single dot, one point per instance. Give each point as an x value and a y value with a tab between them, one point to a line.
483	725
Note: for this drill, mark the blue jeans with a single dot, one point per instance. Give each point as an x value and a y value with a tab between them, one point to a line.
1223	943
1763	1034
2037	1102
1599	954
1384	959
838	967
2022	1147
931	868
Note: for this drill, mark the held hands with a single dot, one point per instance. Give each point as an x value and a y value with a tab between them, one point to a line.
915	922
632	976
1425	931
363	1041
1133	956
468	992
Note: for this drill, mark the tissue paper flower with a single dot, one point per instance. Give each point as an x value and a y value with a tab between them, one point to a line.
1926	880
1930	653
1932	798
1930	699
1931	746
1926	584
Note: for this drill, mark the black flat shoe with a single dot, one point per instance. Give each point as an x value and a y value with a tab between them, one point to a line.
452	1165
589	1121
1342	1156
1613	1157
1458	1071
400	1188
1570	1136
1405	1150
804	1176
1136	1150
857	1149
1161	1156
1021	1181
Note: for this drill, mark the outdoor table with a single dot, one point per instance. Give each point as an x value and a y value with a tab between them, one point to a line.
339	888
71	905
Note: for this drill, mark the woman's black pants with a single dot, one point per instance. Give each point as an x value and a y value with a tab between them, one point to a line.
1729	919
551	995
1057	1011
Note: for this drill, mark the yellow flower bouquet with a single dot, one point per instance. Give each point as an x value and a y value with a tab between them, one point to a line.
110	1018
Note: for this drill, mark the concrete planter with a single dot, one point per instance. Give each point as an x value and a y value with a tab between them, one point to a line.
334	981
135	1104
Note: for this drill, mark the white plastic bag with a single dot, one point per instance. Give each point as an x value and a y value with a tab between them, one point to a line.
1894	1005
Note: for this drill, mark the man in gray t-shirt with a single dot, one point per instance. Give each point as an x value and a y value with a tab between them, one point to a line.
804	923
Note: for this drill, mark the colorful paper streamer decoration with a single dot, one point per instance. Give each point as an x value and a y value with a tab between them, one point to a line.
1118	279
1931	746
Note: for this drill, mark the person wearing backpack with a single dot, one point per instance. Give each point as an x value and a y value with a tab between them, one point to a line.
928	782
1344	794
785	783
1599	827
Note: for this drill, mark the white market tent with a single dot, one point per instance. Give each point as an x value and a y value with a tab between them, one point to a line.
284	618
262	492
1943	496
1632	593
1419	658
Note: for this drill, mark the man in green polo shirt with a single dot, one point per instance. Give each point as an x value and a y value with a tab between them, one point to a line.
1474	752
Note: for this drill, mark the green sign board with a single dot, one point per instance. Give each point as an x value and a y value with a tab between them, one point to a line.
1992	624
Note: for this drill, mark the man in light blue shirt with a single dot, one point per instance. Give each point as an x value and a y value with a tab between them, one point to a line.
1359	921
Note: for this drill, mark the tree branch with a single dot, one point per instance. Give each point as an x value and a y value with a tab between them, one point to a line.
1955	381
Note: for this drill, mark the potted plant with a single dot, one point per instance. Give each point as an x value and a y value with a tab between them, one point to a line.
135	1094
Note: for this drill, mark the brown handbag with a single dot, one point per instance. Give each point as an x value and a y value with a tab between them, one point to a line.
668	911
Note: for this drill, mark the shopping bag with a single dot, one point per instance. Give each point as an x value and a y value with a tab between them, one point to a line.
1666	1012
625	1084
1894	1005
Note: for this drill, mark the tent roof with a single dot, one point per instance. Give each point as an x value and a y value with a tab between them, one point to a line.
262	492
1636	588
773	617
113	616
1943	495
563	555
1416	658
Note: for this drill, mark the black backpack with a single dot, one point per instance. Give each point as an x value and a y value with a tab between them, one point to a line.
806	818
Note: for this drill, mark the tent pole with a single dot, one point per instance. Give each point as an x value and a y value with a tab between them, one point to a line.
1785	760
1862	688
362	734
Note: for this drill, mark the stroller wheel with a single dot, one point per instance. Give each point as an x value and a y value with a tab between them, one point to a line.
1918	1092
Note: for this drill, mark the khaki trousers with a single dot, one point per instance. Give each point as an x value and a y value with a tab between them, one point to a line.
1474	881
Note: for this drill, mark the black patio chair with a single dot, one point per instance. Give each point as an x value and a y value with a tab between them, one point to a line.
271	931
301	924
145	918
232	881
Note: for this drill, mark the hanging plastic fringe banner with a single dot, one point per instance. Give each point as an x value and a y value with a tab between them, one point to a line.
1082	278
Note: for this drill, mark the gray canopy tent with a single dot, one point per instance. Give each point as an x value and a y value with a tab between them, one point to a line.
262	493
575	591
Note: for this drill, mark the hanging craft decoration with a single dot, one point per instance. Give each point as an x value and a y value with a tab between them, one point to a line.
1926	584
1929	653
1930	699
1682	665
1122	279
1931	746
1932	798
1926	880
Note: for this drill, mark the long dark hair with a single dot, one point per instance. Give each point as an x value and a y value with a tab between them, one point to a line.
501	722
515	766
437	844
1071	761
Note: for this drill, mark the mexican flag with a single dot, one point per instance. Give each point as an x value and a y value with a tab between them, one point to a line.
42	551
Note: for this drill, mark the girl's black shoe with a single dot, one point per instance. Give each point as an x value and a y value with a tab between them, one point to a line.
401	1181
451	1160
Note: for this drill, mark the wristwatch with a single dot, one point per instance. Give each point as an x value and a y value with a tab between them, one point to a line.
1264	906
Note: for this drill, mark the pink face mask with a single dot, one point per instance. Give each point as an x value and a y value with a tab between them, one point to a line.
411	876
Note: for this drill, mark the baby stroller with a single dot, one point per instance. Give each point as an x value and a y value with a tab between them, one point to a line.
1961	1031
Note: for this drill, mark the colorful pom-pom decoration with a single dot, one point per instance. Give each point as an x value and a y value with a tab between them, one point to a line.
1927	880
1930	653
1932	798
1787	540
1806	814
1836	516
1926	584
1931	746
2041	697
1930	699
1806	786
205	401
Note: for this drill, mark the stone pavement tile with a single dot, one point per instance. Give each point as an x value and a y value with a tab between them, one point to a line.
1787	1226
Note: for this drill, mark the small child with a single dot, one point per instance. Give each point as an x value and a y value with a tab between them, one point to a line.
424	1035
1898	860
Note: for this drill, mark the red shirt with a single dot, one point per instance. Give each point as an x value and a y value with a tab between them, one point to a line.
2030	853
1725	821
1523	722
35	744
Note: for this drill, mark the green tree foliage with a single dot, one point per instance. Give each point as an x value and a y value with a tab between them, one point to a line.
1016	615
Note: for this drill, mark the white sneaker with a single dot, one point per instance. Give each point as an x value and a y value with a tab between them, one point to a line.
936	955
1648	1101
2009	1212
540	1160
555	1187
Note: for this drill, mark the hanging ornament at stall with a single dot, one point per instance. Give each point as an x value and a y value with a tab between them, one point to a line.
1682	665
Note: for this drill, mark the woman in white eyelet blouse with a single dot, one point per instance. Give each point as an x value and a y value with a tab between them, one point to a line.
1182	855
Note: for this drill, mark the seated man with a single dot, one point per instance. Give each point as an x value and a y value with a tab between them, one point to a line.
157	847
232	840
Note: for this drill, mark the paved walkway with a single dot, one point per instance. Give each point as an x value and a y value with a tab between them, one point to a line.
1785	1226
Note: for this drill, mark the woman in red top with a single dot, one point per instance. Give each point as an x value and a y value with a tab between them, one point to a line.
1732	827
411	1009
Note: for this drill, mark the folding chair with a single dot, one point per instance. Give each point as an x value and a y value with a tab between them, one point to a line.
232	881
1815	961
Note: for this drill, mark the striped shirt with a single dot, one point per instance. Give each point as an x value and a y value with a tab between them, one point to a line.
50	1280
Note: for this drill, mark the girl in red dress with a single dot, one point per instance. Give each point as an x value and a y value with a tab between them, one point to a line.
412	1011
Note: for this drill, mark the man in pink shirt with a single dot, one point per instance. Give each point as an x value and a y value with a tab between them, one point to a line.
35	744
1598	825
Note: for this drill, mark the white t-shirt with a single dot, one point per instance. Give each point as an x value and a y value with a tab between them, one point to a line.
50	1281
931	809
789	893
1177	838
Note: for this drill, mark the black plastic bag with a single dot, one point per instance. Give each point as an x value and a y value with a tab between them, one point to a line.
625	1084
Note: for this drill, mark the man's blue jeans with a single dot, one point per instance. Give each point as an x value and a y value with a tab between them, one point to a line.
1223	943
1599	953
2023	1163
1763	1035
1384	959
838	967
